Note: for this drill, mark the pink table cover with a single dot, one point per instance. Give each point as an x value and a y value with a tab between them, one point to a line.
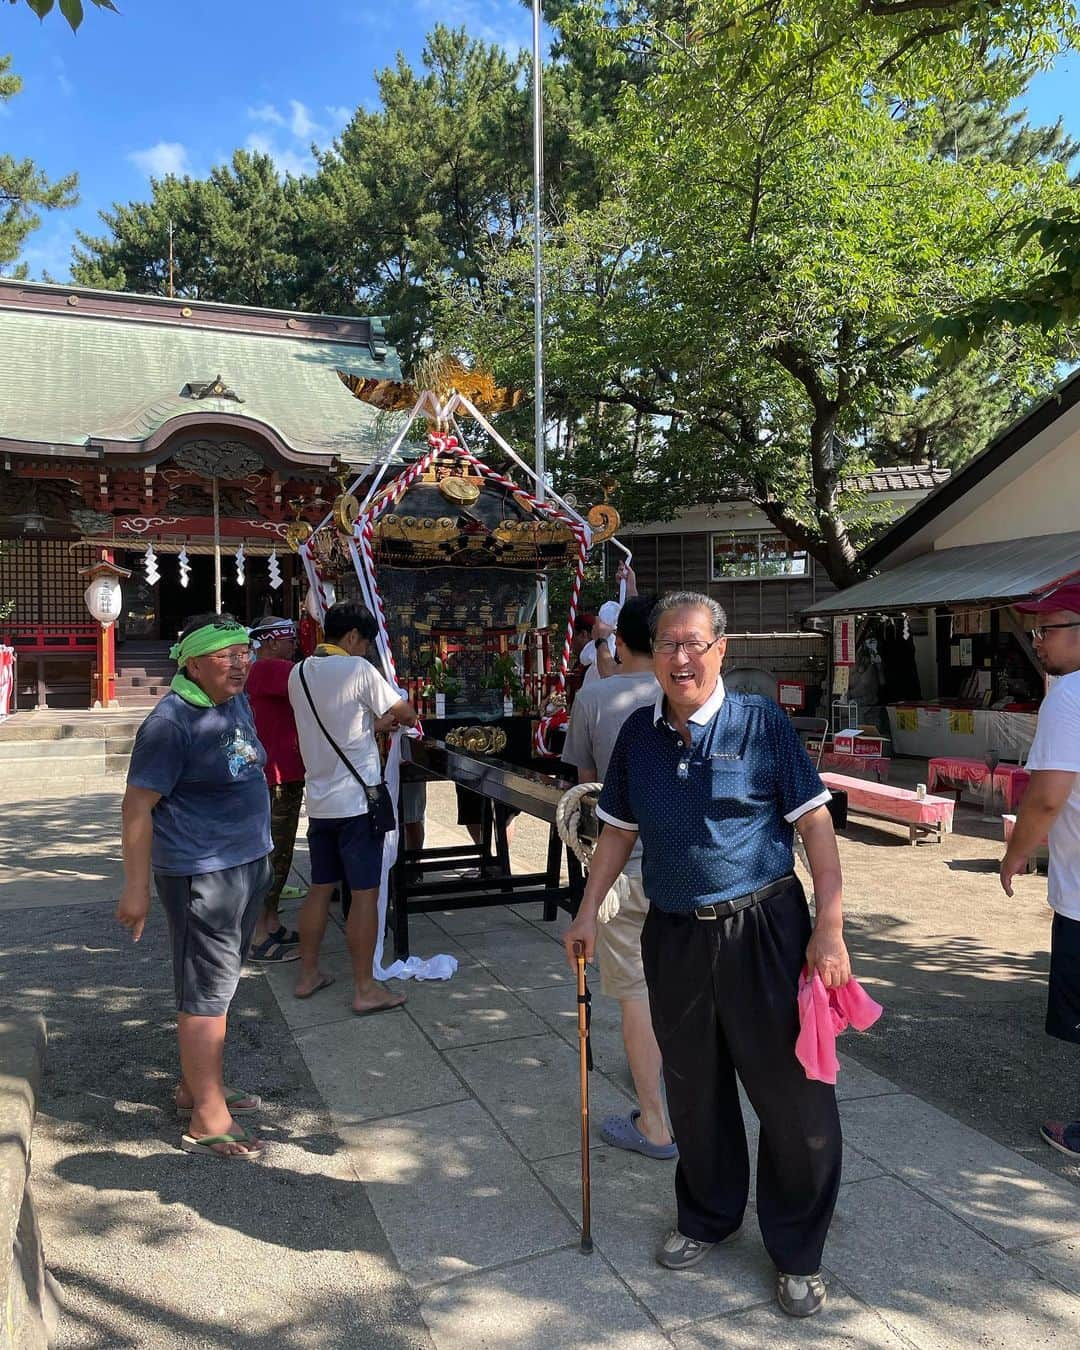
1009	780
901	803
872	765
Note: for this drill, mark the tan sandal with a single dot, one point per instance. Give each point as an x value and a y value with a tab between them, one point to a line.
232	1097
205	1145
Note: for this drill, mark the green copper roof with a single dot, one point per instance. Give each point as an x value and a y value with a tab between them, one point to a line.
66	379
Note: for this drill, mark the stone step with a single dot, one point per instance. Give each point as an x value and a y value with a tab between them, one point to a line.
12	752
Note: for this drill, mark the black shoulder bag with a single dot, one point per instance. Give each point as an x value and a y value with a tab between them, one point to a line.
380	804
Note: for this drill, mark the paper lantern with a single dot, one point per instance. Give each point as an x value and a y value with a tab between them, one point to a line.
103	599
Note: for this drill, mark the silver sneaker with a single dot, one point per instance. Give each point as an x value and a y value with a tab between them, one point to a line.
679	1252
800	1295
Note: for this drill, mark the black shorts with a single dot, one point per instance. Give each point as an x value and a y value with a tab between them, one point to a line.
1063	994
345	849
211	920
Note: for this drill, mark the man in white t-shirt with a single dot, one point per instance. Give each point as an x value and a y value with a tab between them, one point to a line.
599	711
1051	805
352	701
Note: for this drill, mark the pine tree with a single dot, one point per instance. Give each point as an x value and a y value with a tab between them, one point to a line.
23	189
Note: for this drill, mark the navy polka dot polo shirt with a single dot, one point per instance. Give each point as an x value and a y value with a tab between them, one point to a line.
715	817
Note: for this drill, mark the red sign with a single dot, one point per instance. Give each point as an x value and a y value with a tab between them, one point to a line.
844	640
7	679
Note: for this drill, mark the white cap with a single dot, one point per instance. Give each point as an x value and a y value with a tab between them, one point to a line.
609	612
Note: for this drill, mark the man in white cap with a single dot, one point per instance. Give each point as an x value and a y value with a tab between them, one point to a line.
598	656
268	694
1051	807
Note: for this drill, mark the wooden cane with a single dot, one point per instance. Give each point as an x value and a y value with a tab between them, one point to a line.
583	1044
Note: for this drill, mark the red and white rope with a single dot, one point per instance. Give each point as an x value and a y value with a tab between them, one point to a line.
363	533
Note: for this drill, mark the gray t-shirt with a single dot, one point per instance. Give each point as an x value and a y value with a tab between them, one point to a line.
596	719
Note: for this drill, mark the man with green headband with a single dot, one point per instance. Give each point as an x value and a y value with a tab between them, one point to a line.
196	813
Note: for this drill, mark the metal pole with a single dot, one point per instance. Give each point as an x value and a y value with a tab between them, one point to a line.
217	548
538	288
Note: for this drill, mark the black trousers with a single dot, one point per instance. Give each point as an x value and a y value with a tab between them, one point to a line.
723	996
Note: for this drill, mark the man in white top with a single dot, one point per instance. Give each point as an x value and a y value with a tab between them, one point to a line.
1051	805
599	711
598	655
352	701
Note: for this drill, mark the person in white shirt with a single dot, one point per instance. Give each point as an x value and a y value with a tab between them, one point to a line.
352	701
599	711
1051	806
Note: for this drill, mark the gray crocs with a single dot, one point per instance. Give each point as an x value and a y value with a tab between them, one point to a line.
800	1295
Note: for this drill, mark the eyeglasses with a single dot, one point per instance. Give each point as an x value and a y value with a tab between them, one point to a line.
1039	633
692	646
239	659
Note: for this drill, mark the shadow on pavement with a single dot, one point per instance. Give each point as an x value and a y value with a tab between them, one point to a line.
154	1246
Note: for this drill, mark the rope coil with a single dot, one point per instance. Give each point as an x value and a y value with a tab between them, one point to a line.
568	824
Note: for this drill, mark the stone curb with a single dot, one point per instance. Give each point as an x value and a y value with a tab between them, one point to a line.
28	1294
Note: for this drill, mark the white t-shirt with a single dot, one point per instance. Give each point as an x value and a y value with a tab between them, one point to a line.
349	694
587	658
1057	746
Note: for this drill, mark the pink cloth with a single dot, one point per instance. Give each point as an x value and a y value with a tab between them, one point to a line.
823	1015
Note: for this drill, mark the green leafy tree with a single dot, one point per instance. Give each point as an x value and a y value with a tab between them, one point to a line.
72	10
24	189
235	238
413	193
780	218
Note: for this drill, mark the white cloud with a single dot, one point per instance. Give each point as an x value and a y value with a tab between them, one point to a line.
167	157
488	20
266	112
285	160
339	116
301	123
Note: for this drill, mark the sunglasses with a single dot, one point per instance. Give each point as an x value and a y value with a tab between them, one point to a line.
1039	633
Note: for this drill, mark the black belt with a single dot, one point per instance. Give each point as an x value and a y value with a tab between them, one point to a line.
724	909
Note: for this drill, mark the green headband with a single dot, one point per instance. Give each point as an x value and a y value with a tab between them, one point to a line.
212	637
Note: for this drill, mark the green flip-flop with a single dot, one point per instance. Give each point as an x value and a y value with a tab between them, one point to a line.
205	1145
232	1096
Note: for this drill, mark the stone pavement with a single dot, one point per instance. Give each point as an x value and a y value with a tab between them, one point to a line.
423	1186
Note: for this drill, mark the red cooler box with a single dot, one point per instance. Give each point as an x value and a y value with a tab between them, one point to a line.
855	741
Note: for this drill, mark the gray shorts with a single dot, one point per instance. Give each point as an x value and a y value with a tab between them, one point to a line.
211	921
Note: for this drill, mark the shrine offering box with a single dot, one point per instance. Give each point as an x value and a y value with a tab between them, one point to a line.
857	742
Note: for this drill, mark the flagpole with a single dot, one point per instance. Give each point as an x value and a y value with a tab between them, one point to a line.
538	288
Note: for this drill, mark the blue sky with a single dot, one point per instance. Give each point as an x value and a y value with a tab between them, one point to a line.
179	84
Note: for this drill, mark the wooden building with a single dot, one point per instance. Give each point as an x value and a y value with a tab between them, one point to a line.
730	551
133	423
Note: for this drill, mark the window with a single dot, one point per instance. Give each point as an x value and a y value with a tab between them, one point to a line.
756	555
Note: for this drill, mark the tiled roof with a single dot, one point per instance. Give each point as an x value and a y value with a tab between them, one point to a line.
909	478
68	377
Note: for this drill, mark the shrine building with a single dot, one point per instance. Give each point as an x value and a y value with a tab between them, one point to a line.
154	432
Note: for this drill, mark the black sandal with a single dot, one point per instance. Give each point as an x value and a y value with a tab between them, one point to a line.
270	949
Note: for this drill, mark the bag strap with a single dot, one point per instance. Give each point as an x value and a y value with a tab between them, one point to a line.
340	753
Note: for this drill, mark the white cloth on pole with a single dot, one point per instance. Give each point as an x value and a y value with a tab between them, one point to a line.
416	967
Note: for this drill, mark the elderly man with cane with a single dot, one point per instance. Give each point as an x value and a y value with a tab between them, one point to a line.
714	783
197	814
